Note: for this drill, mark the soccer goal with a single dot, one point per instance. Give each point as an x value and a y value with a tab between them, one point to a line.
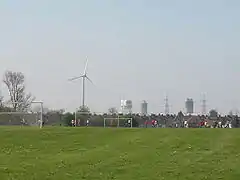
118	122
19	118
24	118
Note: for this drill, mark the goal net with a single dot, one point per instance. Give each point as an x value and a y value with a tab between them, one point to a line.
19	118
118	122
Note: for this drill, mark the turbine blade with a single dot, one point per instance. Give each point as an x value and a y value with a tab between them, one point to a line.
75	78
85	69
89	79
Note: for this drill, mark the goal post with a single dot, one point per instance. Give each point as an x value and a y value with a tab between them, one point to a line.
118	122
41	111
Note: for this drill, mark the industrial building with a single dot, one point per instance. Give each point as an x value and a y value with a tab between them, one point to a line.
126	106
189	105
144	106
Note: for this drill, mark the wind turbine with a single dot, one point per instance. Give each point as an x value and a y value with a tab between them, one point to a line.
84	77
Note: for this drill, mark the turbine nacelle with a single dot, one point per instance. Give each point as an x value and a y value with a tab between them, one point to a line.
84	74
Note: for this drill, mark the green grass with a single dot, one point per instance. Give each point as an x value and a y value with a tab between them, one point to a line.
126	154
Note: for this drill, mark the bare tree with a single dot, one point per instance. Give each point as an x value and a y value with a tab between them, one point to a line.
84	109
15	82
1	102
3	108
112	110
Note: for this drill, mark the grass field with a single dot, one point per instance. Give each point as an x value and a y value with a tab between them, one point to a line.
126	154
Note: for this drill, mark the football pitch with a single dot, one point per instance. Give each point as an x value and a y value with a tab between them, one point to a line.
59	153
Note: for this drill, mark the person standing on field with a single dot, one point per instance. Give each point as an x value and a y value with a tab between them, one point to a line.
129	123
155	123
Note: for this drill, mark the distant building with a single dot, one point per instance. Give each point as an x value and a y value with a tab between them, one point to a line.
144	106
189	105
126	106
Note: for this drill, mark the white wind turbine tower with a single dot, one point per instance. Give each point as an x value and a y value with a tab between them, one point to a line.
84	76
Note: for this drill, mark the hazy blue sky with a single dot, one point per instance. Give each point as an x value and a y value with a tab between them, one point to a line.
137	49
